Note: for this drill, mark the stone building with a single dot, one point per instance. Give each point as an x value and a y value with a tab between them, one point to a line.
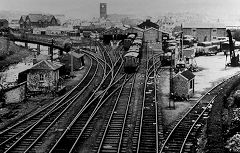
205	31
43	77
37	21
183	84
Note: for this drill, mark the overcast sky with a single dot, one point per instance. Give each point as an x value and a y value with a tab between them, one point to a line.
90	8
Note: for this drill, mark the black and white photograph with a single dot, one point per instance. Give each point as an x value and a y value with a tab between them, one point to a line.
119	76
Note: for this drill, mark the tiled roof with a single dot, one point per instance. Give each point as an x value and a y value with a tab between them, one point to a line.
46	65
188	74
47	18
3	20
38	17
35	17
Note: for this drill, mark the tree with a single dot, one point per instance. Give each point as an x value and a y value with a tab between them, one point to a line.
236	35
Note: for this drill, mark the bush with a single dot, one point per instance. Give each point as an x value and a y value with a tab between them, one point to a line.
236	35
233	144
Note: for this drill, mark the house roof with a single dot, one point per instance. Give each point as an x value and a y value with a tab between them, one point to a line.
151	28
136	28
47	18
187	74
35	17
3	20
45	65
38	17
148	23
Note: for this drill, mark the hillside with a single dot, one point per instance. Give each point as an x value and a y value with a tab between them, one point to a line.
15	53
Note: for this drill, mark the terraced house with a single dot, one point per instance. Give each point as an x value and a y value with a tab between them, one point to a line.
37	20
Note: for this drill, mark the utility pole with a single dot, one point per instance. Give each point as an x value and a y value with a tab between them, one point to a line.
51	49
171	84
71	73
71	63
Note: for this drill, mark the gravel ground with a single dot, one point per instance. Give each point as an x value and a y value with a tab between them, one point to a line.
212	71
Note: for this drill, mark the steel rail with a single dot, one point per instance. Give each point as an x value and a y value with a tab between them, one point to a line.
53	110
78	115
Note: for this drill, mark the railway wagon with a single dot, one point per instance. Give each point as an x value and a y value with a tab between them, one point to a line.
86	34
132	58
131	62
126	44
207	48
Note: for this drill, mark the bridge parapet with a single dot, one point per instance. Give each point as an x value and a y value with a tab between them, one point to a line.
58	42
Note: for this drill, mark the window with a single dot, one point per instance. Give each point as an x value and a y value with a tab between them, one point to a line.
214	37
187	60
41	77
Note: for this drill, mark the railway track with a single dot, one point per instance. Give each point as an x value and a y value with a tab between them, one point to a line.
150	120
71	135
84	116
19	137
114	135
181	137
